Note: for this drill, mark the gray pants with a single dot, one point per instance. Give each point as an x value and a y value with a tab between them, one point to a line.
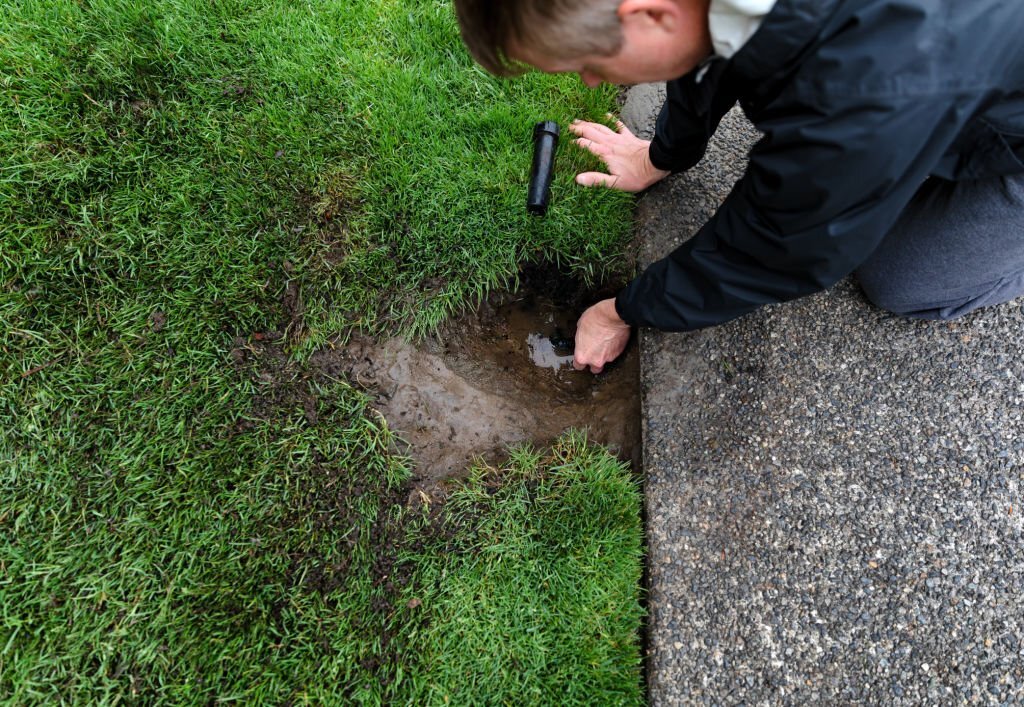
958	246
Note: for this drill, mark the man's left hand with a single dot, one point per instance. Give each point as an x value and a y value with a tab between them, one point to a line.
626	156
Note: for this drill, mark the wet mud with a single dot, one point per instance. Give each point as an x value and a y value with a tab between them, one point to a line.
501	376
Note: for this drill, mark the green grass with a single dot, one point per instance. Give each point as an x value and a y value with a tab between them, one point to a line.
195	195
533	599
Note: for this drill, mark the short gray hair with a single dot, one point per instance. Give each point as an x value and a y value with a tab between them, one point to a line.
559	28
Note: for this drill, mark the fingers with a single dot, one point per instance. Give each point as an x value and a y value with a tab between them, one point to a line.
597	179
594	131
583	366
623	154
591	131
594	147
599	139
621	128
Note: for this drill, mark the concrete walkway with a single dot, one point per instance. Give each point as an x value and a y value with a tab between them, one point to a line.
834	495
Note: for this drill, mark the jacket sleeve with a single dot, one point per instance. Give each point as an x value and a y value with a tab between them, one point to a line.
823	187
693	108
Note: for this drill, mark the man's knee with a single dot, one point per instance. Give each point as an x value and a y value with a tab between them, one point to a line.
894	296
890	296
957	246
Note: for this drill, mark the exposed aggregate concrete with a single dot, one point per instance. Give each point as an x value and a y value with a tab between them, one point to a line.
834	494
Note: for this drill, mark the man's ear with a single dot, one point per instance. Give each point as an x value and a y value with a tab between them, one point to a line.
665	14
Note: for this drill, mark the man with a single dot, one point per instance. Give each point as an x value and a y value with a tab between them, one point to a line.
893	146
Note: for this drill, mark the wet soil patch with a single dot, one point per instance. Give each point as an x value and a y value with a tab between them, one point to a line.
500	376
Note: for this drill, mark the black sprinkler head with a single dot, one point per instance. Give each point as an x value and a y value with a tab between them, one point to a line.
545	140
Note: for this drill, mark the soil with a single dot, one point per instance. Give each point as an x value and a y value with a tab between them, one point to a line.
501	376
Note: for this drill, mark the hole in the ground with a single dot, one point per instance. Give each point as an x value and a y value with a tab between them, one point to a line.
498	377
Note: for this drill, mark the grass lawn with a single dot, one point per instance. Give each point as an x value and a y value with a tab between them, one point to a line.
182	181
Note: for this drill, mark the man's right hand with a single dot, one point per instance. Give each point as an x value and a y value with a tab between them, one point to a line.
601	336
626	156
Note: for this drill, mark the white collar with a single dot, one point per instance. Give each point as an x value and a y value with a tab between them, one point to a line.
733	23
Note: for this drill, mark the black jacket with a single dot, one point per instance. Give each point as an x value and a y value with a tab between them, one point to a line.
859	101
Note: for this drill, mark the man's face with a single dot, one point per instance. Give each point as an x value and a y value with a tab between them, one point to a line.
661	40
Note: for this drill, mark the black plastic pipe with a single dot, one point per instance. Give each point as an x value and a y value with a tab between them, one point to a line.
545	141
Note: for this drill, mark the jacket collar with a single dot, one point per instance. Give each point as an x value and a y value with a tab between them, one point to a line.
734	22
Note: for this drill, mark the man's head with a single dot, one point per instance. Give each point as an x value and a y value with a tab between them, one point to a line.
615	41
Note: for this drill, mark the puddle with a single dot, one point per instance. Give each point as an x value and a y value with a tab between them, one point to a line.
499	377
543	352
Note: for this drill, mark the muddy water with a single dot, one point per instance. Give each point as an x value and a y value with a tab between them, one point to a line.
500	377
